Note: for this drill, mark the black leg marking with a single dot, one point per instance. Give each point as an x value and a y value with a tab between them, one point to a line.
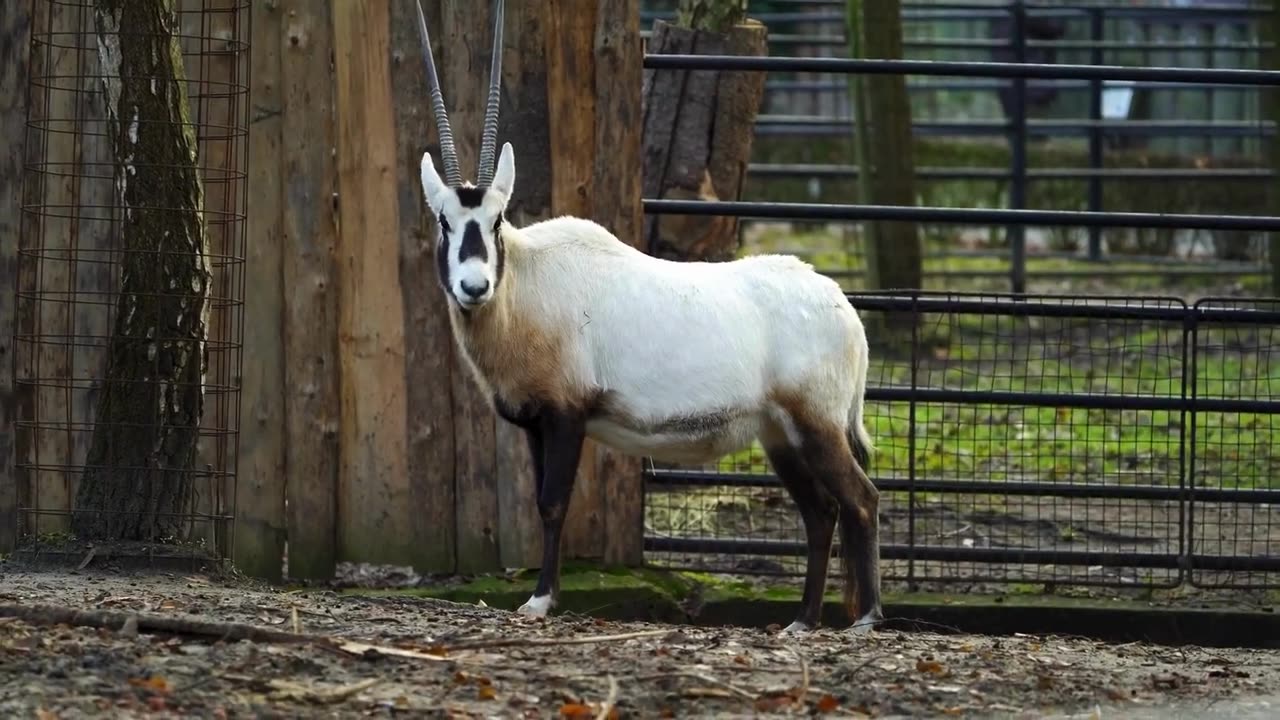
818	509
560	436
829	456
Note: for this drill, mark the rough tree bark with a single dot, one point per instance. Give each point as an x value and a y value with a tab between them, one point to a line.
894	253
139	468
698	127
1269	26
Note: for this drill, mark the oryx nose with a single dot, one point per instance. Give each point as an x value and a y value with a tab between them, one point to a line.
475	291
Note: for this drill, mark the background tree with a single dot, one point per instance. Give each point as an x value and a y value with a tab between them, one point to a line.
883	145
698	127
139	469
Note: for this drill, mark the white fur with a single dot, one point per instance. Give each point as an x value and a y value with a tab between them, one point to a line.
536	606
666	339
795	628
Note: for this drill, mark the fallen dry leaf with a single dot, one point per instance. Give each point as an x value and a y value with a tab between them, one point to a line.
155	683
576	710
827	704
486	692
930	666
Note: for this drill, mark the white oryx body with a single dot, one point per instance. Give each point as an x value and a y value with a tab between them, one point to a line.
575	334
688	361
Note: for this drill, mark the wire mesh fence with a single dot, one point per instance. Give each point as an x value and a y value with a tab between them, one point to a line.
1032	439
130	272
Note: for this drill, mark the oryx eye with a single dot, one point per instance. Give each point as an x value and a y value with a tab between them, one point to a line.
444	224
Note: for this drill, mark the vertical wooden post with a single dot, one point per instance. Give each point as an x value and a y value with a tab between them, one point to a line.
522	121
260	509
15	29
209	23
618	59
464	50
311	409
429	375
373	487
52	235
570	35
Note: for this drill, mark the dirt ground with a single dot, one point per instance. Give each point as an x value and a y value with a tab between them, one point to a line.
440	659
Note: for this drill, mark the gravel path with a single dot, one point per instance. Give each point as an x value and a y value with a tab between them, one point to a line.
561	667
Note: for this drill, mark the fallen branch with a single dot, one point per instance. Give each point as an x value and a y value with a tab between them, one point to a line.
609	701
147	623
540	642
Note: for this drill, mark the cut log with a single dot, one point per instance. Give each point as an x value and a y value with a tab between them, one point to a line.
698	129
138	476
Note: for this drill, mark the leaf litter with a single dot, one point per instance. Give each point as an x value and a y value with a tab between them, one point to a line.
84	644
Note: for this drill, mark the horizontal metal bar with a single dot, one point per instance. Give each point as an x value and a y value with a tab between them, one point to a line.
815	170
996	556
1068	274
664	478
959	216
1082	401
946	129
953	68
832	40
988	11
1053	127
944	553
1062	306
991	84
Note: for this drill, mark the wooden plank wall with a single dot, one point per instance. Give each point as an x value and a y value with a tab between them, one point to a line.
362	435
15	36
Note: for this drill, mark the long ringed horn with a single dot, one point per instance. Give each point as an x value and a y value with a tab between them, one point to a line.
489	139
447	151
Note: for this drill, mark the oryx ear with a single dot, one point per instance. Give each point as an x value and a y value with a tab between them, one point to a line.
433	188
505	177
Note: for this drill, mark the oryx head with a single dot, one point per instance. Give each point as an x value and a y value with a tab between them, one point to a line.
469	250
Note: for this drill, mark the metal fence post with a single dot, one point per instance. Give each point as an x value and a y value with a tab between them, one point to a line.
1018	153
1095	131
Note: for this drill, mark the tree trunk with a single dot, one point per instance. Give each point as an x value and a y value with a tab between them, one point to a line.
15	38
698	128
139	469
1269	25
894	253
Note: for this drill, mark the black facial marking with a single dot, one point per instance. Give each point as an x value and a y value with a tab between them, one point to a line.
502	252
472	244
471	197
442	261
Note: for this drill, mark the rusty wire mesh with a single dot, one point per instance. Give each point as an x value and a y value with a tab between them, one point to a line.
71	253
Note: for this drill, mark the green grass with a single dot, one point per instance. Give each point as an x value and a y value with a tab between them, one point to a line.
1059	356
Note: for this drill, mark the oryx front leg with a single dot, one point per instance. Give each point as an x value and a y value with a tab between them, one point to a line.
557	437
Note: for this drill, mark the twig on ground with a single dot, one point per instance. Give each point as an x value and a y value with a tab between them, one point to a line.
112	620
329	696
539	642
803	690
610	701
702	677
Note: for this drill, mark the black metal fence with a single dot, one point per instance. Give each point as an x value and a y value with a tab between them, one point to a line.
1050	439
1094	39
1023	438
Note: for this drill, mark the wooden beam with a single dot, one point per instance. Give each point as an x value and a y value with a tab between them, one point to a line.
52	476
571	83
466	29
374	483
312	410
15	37
260	529
616	205
523	121
429	374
